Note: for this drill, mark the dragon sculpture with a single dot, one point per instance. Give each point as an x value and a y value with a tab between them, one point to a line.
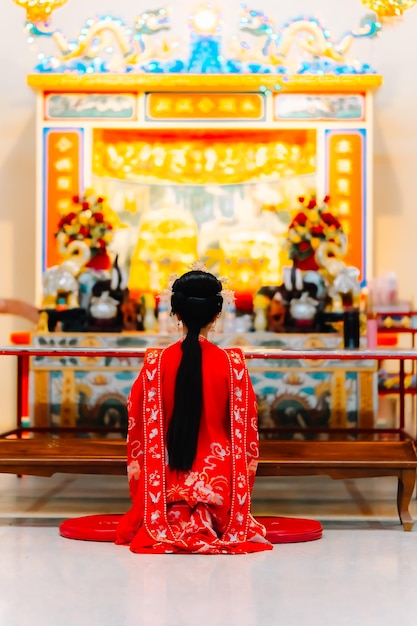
306	32
129	47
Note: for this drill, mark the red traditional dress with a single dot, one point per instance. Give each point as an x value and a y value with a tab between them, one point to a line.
207	509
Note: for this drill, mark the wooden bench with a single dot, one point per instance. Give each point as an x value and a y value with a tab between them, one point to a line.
340	460
347	459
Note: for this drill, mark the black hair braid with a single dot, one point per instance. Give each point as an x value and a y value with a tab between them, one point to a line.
196	299
185	421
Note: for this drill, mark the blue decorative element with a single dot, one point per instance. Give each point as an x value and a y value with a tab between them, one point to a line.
233	67
371	26
204	57
321	67
124	375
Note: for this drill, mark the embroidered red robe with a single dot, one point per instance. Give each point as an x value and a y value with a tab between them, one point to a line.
207	509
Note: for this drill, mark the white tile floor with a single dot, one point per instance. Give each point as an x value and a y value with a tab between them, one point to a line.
363	571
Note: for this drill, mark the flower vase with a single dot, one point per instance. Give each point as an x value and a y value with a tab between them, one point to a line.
99	261
260	322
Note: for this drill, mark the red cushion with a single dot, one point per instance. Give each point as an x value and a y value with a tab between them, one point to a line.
91	527
278	529
290	529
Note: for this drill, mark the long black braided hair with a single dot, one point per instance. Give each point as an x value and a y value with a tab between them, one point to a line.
196	299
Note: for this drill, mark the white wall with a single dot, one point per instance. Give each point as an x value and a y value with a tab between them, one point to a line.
393	54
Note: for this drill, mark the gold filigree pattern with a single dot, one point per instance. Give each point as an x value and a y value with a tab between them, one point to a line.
226	159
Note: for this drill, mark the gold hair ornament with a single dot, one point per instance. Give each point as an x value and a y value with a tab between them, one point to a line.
227	294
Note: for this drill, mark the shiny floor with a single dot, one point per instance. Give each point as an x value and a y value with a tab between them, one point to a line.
362	571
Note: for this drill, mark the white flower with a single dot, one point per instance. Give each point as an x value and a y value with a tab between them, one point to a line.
191	478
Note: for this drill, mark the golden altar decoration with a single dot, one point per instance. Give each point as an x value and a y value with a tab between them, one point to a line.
230	176
166	244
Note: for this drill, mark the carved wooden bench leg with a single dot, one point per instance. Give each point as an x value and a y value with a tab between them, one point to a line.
406	482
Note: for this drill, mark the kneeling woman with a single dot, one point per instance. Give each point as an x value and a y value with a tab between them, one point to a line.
193	439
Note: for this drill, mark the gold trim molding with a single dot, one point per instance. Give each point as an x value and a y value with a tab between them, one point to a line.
142	83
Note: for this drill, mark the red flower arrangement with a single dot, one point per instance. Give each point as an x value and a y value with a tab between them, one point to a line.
311	225
89	220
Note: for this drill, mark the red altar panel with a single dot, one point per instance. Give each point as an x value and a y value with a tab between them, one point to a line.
62	172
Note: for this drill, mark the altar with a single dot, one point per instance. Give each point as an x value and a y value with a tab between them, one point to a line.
297	398
221	190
